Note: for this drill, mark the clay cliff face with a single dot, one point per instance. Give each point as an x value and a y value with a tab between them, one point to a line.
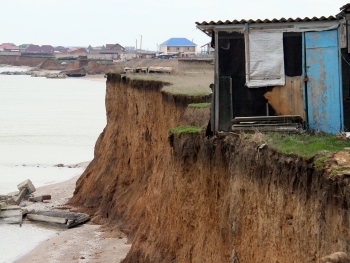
190	198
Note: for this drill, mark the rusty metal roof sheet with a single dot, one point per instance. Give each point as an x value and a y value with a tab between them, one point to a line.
275	20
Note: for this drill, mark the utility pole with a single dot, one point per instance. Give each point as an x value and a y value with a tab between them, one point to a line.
136	45
141	43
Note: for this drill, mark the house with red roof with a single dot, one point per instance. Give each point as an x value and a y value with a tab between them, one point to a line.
8	47
77	51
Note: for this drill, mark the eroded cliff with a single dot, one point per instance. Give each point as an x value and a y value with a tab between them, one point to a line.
189	198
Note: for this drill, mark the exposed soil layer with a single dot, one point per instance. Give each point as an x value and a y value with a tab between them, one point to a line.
205	199
95	67
21	61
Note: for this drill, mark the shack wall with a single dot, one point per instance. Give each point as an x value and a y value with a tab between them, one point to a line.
264	101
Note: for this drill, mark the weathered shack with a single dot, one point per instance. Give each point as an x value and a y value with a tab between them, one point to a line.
282	67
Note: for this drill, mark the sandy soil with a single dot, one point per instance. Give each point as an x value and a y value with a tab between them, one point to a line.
85	243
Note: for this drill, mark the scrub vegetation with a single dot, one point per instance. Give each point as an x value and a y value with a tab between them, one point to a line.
184	129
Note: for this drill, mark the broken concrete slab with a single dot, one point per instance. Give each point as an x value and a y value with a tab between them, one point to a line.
61	218
40	198
26	211
46	218
28	185
11	214
18	198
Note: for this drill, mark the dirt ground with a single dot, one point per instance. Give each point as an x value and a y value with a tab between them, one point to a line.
85	243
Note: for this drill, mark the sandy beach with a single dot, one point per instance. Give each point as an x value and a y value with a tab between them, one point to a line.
85	243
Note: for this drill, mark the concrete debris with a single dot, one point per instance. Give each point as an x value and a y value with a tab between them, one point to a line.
11	214
28	185
40	198
60	218
18	198
25	188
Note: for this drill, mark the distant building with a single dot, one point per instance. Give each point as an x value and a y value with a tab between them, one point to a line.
130	49
33	49
77	51
181	46
8	47
47	49
117	47
58	49
206	49
23	47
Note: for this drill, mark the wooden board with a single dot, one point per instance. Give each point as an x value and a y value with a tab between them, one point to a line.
288	99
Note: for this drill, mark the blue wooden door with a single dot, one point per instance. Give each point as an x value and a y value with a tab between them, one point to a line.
323	88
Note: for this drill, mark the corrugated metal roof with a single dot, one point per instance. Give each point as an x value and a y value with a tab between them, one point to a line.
265	21
344	8
178	42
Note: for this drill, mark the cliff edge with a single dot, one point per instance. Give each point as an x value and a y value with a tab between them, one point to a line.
190	198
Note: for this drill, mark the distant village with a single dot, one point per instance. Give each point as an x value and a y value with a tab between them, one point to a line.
172	48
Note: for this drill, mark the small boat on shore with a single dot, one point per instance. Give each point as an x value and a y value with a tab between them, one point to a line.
81	72
76	74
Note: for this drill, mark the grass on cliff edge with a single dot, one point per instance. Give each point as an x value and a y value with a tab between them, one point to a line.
184	129
199	105
304	145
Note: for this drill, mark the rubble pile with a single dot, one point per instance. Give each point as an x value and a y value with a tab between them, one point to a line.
13	212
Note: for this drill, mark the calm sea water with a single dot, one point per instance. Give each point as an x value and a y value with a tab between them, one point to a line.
44	122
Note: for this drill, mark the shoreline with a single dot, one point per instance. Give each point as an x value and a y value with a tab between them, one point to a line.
84	243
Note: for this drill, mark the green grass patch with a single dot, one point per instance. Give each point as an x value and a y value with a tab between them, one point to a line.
305	145
199	105
184	129
195	90
320	161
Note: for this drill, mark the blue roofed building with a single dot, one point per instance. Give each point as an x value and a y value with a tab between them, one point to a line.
181	46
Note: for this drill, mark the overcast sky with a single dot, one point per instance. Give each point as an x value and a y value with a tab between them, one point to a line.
100	22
